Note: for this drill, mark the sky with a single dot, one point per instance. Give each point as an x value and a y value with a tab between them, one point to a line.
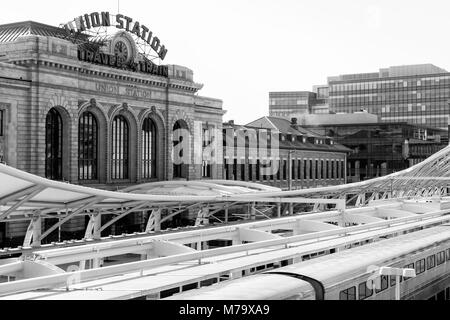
240	50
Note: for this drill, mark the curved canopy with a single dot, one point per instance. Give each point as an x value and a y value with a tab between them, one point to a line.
21	191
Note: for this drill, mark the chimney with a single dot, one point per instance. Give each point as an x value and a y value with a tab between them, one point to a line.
231	122
294	123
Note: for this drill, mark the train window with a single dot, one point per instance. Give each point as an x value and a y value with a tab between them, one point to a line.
189	286
431	262
348	294
224	277
440	257
420	266
208	282
384	284
364	291
169	292
409	266
393	280
448	254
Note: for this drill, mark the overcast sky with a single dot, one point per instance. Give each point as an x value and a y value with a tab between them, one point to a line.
241	49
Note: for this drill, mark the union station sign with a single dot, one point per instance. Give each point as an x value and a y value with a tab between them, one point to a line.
126	49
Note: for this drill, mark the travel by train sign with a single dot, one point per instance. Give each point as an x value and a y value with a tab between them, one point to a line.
134	48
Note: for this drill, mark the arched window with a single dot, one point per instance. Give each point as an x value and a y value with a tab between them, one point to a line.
149	155
53	145
87	146
120	152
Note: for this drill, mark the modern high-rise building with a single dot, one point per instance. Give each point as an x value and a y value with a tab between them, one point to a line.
417	94
287	103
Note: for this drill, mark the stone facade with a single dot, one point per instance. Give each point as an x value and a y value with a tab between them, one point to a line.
35	79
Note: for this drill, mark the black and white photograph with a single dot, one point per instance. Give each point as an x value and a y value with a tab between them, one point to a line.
224	156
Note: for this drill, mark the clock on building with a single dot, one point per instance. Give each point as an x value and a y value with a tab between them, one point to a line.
121	50
123	47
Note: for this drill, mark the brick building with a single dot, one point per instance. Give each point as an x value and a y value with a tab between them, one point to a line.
69	111
304	159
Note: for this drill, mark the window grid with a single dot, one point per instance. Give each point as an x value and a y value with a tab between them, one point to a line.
431	261
364	291
87	147
384	284
348	294
53	145
120	152
149	141
440	257
420	266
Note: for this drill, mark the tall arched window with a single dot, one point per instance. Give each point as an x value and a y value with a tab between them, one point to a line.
87	146
120	152
53	145
149	155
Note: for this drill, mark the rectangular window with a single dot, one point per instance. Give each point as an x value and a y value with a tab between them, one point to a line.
257	169
440	257
242	170
348	294
2	113
284	169
384	284
250	172
431	261
304	170
292	169
317	169
364	291
420	266
279	170
324	168
332	169
448	254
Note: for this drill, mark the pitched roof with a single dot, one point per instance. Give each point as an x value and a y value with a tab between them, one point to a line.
12	31
284	128
282	125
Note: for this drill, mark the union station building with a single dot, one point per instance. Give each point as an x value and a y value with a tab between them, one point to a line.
70	111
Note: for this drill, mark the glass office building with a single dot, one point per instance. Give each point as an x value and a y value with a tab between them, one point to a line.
287	103
382	148
417	94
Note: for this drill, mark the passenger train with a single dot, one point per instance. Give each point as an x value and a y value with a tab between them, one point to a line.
344	275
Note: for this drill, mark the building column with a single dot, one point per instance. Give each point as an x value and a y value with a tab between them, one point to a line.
37	231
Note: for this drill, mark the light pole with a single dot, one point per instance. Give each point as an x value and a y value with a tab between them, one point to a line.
290	152
397	272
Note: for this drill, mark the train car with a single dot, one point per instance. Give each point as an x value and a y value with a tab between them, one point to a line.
344	275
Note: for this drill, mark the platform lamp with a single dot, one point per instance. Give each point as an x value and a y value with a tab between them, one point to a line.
397	272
